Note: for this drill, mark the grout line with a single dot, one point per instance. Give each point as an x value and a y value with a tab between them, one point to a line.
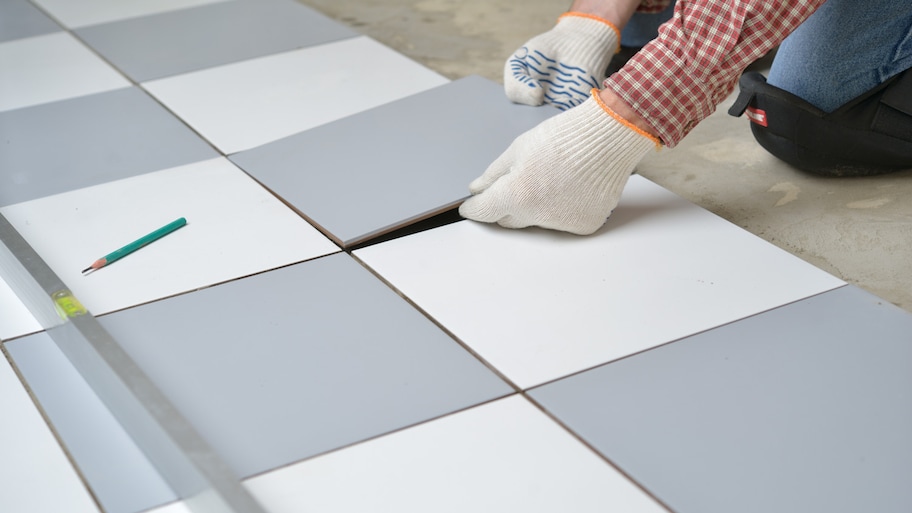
440	326
211	285
382	435
603	457
326	233
47	421
45	12
677	340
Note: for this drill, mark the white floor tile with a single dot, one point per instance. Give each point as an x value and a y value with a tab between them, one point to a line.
79	13
503	456
174	507
539	305
243	105
15	319
49	68
35	475
235	228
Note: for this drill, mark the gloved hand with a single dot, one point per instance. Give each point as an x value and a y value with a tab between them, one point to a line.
560	66
565	174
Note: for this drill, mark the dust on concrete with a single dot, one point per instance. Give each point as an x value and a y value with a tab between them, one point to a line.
456	38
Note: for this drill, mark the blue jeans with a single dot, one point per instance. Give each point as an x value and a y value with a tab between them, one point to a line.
844	49
643	28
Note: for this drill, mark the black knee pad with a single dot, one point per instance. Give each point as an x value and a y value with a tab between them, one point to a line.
870	135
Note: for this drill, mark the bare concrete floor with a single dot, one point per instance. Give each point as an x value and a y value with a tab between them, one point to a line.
857	229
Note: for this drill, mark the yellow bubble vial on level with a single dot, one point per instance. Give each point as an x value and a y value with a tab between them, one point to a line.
67	305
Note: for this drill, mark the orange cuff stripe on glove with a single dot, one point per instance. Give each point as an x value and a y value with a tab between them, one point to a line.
628	124
595	18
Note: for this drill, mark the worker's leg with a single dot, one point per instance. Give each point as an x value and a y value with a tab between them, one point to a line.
838	100
642	28
844	49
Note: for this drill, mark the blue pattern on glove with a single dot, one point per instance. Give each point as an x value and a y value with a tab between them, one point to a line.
567	86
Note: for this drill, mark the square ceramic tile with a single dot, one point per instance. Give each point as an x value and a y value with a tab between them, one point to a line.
19	19
185	40
297	361
247	104
78	13
503	456
234	228
51	67
538	305
61	146
35	474
802	408
415	158
15	318
120	476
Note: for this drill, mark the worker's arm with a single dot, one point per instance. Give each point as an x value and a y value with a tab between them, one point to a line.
679	78
568	173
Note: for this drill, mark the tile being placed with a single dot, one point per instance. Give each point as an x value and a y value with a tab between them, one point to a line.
19	19
243	105
538	305
120	476
415	158
61	146
234	228
51	67
185	40
802	408
301	360
79	13
35	474
502	456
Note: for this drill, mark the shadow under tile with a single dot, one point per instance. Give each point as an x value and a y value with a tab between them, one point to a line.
803	408
442	219
185	40
388	167
19	19
298	361
66	145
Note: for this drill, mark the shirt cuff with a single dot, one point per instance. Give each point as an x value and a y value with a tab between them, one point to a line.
656	84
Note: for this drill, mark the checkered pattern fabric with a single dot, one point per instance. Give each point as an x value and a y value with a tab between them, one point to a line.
679	78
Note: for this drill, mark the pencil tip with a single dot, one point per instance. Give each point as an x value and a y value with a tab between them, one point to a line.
87	269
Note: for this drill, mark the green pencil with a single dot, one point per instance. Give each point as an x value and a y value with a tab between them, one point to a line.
133	246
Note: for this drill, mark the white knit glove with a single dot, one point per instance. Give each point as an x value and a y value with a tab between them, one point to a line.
565	174
560	66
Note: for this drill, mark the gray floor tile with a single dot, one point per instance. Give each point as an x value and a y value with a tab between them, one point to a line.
186	40
19	18
298	361
806	408
400	162
121	478
66	145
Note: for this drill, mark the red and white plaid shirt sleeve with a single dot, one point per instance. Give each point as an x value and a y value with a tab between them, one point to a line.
679	78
